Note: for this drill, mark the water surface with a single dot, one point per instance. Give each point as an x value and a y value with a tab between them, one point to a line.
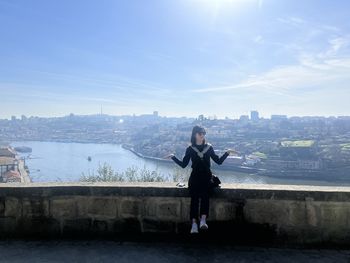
64	162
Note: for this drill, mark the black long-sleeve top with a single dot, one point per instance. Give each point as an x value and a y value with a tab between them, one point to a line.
199	164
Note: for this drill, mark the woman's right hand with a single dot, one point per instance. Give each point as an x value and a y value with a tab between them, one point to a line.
169	156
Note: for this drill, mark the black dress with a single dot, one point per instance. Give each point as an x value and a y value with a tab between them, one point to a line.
199	181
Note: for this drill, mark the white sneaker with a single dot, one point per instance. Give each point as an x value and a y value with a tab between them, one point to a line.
194	229
203	225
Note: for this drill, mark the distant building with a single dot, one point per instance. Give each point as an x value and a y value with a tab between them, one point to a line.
278	117
251	160
295	164
7	152
13	118
7	164
344	117
11	177
201	117
244	118
237	160
254	115
305	149
149	117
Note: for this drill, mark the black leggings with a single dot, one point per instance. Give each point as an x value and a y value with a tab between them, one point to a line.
199	186
203	206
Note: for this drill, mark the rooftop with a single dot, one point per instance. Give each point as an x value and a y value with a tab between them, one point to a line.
7	151
304	143
6	160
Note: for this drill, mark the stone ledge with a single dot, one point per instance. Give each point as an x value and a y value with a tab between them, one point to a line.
227	191
278	214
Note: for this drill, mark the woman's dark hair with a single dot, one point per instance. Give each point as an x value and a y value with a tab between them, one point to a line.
196	129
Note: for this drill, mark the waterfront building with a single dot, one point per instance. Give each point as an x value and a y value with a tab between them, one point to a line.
7	164
307	165
7	152
11	177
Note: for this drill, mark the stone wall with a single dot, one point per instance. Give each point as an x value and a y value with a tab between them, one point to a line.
239	213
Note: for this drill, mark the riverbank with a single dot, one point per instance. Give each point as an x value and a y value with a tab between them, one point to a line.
25	178
234	168
131	149
296	175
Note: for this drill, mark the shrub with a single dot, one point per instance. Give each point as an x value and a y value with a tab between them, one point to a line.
105	173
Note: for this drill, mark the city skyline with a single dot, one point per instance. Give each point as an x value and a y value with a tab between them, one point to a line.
182	58
252	115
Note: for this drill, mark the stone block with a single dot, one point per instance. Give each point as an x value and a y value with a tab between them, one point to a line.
311	212
185	209
82	205
35	207
310	235
334	215
169	210
2	207
102	207
127	225
38	226
338	235
266	211
63	208
150	207
79	226
297	214
222	210
100	226
13	207
8	225
131	207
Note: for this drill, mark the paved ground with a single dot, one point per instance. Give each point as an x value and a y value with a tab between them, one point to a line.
109	251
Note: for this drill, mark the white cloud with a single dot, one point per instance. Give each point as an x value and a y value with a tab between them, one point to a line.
286	78
337	44
314	71
258	39
292	21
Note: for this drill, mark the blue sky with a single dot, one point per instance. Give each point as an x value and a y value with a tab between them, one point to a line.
180	57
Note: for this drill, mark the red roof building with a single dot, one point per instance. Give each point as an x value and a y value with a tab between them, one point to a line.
12	177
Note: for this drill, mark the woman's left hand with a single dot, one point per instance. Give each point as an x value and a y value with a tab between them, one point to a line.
232	151
169	156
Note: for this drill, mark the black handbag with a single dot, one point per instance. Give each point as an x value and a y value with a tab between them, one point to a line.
214	181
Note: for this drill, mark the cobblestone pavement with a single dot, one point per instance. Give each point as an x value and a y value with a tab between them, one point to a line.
110	251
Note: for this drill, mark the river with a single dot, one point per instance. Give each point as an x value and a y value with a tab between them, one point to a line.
66	162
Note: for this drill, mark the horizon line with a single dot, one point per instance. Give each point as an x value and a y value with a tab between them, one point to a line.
208	117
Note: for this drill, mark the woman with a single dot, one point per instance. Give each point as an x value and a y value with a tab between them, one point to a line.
199	185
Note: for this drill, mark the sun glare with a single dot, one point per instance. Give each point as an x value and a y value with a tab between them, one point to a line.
222	3
215	8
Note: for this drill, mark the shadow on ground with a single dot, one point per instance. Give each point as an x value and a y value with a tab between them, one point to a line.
154	252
